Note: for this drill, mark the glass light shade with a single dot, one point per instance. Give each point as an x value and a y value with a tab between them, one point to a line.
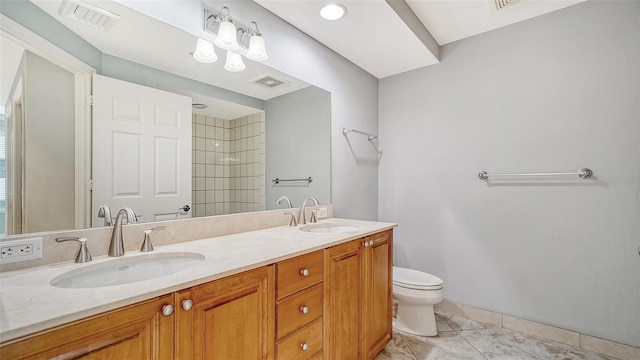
204	52
256	50
227	36
234	62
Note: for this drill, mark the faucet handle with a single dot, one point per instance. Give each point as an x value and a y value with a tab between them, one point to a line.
146	244
314	216
83	253
293	221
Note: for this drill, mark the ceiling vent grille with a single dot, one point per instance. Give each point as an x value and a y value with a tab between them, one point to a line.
270	82
88	14
502	4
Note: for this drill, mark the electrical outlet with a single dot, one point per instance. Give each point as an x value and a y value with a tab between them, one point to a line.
20	250
322	213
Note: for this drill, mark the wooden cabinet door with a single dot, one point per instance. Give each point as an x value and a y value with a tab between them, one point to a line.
135	332
377	294
343	310
230	318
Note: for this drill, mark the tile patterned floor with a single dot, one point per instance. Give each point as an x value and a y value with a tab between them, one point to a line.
462	339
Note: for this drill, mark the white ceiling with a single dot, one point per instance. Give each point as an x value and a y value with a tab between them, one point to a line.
374	37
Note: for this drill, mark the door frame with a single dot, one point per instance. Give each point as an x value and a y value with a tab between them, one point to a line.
82	77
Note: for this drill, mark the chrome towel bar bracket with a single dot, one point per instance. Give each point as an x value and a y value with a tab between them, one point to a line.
583	173
369	136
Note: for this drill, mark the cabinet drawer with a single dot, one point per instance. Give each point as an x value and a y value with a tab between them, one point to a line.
290	274
290	314
291	347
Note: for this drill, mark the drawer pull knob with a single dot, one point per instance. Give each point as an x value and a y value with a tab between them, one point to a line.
304	346
304	272
304	309
365	244
370	242
187	304
167	310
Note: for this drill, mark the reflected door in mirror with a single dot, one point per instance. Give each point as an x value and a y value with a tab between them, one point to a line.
141	150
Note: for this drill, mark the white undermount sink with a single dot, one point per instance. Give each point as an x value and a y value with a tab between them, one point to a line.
127	270
327	228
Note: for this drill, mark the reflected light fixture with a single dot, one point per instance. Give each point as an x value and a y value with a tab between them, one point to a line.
257	51
333	11
228	38
234	62
204	52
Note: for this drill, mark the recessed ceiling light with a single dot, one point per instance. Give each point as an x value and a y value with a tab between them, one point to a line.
199	106
333	12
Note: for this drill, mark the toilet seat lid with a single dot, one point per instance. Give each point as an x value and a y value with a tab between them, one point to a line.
414	279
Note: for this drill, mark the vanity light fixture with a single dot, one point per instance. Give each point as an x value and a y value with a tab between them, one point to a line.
234	62
257	51
235	41
333	11
204	52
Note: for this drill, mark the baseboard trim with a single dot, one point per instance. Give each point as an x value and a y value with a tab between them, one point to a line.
568	337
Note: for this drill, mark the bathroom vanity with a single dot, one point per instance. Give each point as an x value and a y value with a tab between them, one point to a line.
279	293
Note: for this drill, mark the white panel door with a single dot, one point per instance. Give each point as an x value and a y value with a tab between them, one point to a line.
141	150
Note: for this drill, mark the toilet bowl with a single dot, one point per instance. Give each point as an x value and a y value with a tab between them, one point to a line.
415	293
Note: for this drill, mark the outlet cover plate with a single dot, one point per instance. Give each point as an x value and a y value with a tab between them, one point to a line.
20	250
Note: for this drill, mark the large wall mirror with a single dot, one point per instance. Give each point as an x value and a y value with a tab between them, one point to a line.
241	130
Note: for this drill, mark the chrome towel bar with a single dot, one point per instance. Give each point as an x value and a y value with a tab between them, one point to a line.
583	173
370	137
278	180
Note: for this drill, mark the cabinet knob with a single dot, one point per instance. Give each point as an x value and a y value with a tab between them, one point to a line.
365	244
167	310
304	346
370	242
304	309
187	304
304	272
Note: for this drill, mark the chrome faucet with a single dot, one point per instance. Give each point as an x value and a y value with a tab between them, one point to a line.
301	218
105	212
284	198
83	255
116	247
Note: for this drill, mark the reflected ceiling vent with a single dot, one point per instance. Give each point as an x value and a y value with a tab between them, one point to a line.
270	82
504	4
88	14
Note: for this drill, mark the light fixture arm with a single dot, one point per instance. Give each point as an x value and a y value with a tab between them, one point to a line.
252	29
212	20
245	34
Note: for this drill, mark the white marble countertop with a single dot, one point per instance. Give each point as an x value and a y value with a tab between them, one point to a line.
28	303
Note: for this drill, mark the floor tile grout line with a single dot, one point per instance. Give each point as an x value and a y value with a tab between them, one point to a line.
408	347
473	346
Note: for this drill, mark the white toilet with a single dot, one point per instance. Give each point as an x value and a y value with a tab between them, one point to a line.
416	292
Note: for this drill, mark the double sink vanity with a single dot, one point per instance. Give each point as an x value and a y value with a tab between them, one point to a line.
320	291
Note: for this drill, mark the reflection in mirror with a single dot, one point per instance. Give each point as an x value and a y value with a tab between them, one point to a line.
241	134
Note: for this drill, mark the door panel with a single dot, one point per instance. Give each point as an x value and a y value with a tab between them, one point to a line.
231	318
135	332
141	150
343	286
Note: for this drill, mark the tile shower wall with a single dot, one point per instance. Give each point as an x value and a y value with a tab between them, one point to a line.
228	165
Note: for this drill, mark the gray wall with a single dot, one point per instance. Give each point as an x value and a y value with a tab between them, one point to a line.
292	155
553	93
49	128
